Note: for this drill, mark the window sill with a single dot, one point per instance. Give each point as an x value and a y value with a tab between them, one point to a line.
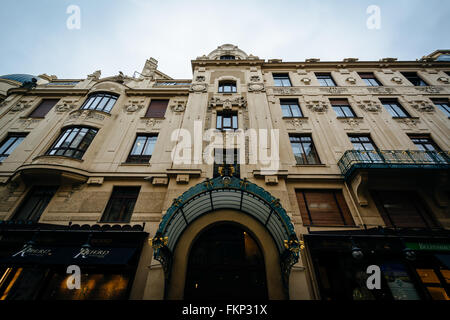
311	165
345	118
136	164
402	118
57	157
288	118
159	118
28	118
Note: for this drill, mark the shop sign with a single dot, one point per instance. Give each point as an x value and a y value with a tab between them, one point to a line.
30	251
92	253
428	246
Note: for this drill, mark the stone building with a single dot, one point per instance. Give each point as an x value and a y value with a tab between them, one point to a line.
326	173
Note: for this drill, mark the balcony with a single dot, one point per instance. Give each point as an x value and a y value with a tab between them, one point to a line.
397	159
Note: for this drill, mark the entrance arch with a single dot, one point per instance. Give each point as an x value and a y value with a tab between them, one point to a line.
225	262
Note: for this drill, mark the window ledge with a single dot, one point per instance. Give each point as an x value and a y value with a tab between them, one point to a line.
135	164
30	118
48	156
287	118
311	165
159	118
345	118
402	118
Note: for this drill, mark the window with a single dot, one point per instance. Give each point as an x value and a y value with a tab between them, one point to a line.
10	143
323	208
227	57
403	209
304	150
443	105
342	108
43	108
414	79
424	143
142	149
73	142
121	204
100	102
395	109
227	120
227	87
325	79
290	108
281	80
443	57
226	157
369	149
157	109
35	203
369	79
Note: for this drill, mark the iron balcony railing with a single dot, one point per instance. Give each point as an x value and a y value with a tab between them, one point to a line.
383	159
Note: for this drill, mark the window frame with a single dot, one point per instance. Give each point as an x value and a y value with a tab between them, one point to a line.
303	156
390	103
367	77
340	104
15	136
65	134
227	57
34	192
414	75
158	114
232	115
227	83
45	100
321	76
290	103
281	80
142	158
104	96
371	155
443	105
121	197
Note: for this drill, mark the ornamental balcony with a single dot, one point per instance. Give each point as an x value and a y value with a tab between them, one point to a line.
353	160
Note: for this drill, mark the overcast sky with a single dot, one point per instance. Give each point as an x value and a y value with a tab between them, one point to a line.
120	35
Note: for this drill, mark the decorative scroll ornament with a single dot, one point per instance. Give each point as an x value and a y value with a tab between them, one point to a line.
66	104
255	79
200	79
351	80
294	245
369	105
306	80
443	79
397	80
198	87
317	105
256	87
422	105
227	103
134	105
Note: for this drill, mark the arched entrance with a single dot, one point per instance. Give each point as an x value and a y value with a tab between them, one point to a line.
225	262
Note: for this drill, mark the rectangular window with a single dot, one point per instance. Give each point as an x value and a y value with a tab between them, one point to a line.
224	157
442	104
157	109
281	80
290	108
325	79
43	108
342	108
121	204
369	151
414	79
369	79
304	150
432	151
142	148
10	143
394	108
323	208
403	209
35	203
73	142
227	120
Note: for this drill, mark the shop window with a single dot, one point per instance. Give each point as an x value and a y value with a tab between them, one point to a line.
290	109
22	283
10	144
73	142
281	80
227	120
35	203
403	209
370	79
342	108
142	148
414	79
157	109
443	105
323	208
304	150
394	108
227	86
100	102
43	108
325	79
121	204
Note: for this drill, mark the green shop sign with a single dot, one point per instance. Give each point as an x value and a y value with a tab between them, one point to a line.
428	246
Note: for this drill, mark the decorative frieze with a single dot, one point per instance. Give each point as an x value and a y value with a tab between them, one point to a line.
178	106
422	105
152	123
317	105
198	87
134	104
334	90
430	89
369	105
66	104
23	104
227	102
381	90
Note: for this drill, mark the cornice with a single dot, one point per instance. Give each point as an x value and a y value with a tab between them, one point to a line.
226	63
48	91
158	92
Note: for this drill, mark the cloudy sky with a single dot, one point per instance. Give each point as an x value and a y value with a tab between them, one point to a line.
120	35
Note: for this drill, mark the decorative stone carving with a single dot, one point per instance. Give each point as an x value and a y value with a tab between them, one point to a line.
422	105
66	104
198	87
334	90
351	80
381	90
352	123
409	123
429	89
200	79
152	122
369	105
134	104
255	79
256	87
397	80
286	90
178	106
306	80
22	104
443	79
227	103
317	105
297	123
86	114
95	75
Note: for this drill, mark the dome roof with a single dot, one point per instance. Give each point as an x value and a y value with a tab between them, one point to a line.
20	77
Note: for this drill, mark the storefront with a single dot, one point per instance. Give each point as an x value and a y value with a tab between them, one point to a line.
413	265
35	260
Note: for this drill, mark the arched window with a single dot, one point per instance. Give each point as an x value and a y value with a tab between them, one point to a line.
100	102
227	86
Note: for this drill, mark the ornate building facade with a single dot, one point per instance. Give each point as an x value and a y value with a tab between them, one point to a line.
110	175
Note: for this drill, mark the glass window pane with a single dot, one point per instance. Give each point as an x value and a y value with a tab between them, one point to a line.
139	145
286	111
110	104
7	144
235	122
78	138
296	111
219	122
227	122
348	112
102	104
150	146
